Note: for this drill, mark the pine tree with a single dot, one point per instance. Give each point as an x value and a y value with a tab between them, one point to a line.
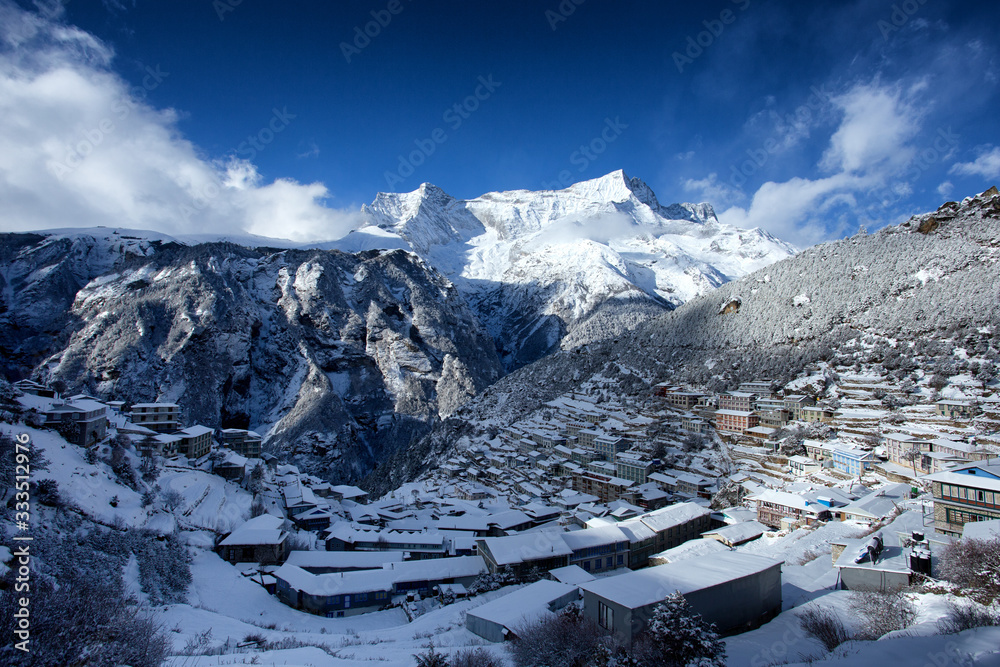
681	637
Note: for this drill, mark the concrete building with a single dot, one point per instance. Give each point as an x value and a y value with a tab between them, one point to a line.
84	421
243	442
965	494
160	417
633	466
195	441
624	604
525	552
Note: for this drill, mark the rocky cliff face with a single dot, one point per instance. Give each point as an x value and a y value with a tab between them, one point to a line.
338	357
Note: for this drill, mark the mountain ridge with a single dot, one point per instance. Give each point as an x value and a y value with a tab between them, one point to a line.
927	285
549	260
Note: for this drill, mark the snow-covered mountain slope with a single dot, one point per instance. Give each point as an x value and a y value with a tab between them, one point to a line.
541	268
927	288
337	357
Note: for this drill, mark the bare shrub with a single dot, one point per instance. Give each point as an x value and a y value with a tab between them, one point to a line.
475	657
967	616
973	564
564	640
825	625
882	612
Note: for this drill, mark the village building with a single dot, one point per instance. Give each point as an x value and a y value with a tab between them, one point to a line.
853	461
84	422
624	604
633	466
737	401
800	466
606	487
243	442
693	486
360	591
233	467
877	505
775	508
762	388
676	524
693	424
819	450
735	421
325	562
259	540
955	409
416	545
194	441
816	413
902	449
498	620
795	403
776	418
160	417
598	549
965	494
889	572
736	534
522	553
156	445
676	397
34	388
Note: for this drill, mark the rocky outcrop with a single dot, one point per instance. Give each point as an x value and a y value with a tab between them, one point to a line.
339	358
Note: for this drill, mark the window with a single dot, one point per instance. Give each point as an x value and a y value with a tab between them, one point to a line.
605	616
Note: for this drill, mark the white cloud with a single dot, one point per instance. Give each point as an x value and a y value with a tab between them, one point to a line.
871	145
986	165
711	189
945	188
878	122
79	147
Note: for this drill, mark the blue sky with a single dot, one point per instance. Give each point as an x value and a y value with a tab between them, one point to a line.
283	118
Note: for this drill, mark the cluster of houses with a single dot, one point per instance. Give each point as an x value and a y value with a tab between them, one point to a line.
597	449
155	429
434	544
597	502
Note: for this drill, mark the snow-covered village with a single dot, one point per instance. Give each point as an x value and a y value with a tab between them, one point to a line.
560	334
789	498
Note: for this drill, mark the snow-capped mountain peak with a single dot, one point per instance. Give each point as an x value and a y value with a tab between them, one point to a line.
535	264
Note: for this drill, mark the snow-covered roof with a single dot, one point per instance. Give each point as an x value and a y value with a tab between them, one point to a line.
878	504
194	431
784	499
382	579
264	529
653	584
523	605
690	549
571	574
514	549
738	533
593	537
892	558
980	474
673	515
